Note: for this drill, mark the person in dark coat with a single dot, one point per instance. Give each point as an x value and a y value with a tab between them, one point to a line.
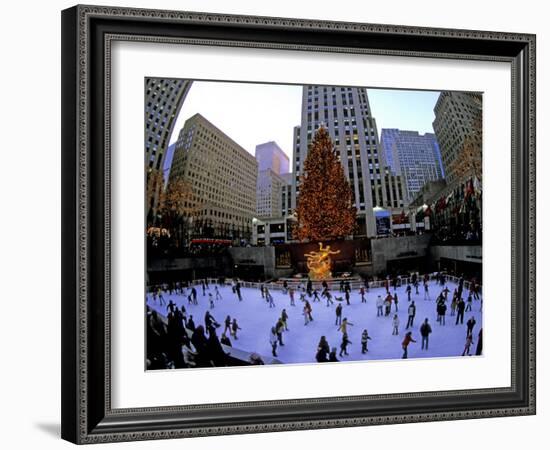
460	307
425	330
479	347
200	343
470	326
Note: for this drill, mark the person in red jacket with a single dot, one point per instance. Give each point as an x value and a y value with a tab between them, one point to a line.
408	339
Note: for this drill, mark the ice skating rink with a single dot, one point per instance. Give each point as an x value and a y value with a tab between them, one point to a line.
256	318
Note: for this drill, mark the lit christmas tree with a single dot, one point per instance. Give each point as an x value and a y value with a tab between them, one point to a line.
324	209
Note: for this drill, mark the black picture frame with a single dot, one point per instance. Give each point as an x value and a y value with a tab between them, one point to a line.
87	415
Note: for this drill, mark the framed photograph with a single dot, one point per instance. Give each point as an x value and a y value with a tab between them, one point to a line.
282	224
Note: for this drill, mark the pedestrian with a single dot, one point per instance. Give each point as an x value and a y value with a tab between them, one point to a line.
470	326
405	344
460	306
395	323
467	345
412	312
379	305
344	344
344	325
365	338
338	314
425	330
234	328
273	341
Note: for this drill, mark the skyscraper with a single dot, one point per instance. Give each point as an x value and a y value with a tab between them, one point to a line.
222	176
457	117
163	101
345	112
270	156
414	156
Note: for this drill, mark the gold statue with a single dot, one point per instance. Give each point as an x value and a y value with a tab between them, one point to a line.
319	262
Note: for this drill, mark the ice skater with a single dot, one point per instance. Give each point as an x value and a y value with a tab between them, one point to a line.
279	328
218	295
234	328
467	345
338	314
460	307
284	318
227	324
408	292
273	341
425	330
395	323
365	338
411	312
344	326
395	301
470	326
426	291
329	298
344	345
441	310
269	298
405	344
469	302
211	300
291	295
332	355
379	306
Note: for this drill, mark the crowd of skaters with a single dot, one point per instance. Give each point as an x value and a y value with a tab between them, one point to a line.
208	351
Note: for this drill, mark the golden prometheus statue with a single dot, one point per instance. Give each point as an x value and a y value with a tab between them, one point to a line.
319	262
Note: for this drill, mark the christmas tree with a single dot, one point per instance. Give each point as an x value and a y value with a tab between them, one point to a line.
324	209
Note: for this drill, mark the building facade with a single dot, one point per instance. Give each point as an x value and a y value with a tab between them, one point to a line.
222	176
345	112
270	156
272	167
163	101
413	156
456	114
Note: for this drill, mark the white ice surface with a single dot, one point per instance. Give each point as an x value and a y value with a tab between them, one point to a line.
256	319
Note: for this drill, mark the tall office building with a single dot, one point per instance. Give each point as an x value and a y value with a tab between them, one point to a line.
163	101
270	156
345	112
414	156
455	116
222	176
272	164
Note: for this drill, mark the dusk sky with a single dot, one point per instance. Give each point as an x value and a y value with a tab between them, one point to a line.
252	114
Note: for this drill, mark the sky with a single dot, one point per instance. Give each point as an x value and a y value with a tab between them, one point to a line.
252	114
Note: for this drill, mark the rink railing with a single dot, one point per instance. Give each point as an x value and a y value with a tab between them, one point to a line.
334	284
